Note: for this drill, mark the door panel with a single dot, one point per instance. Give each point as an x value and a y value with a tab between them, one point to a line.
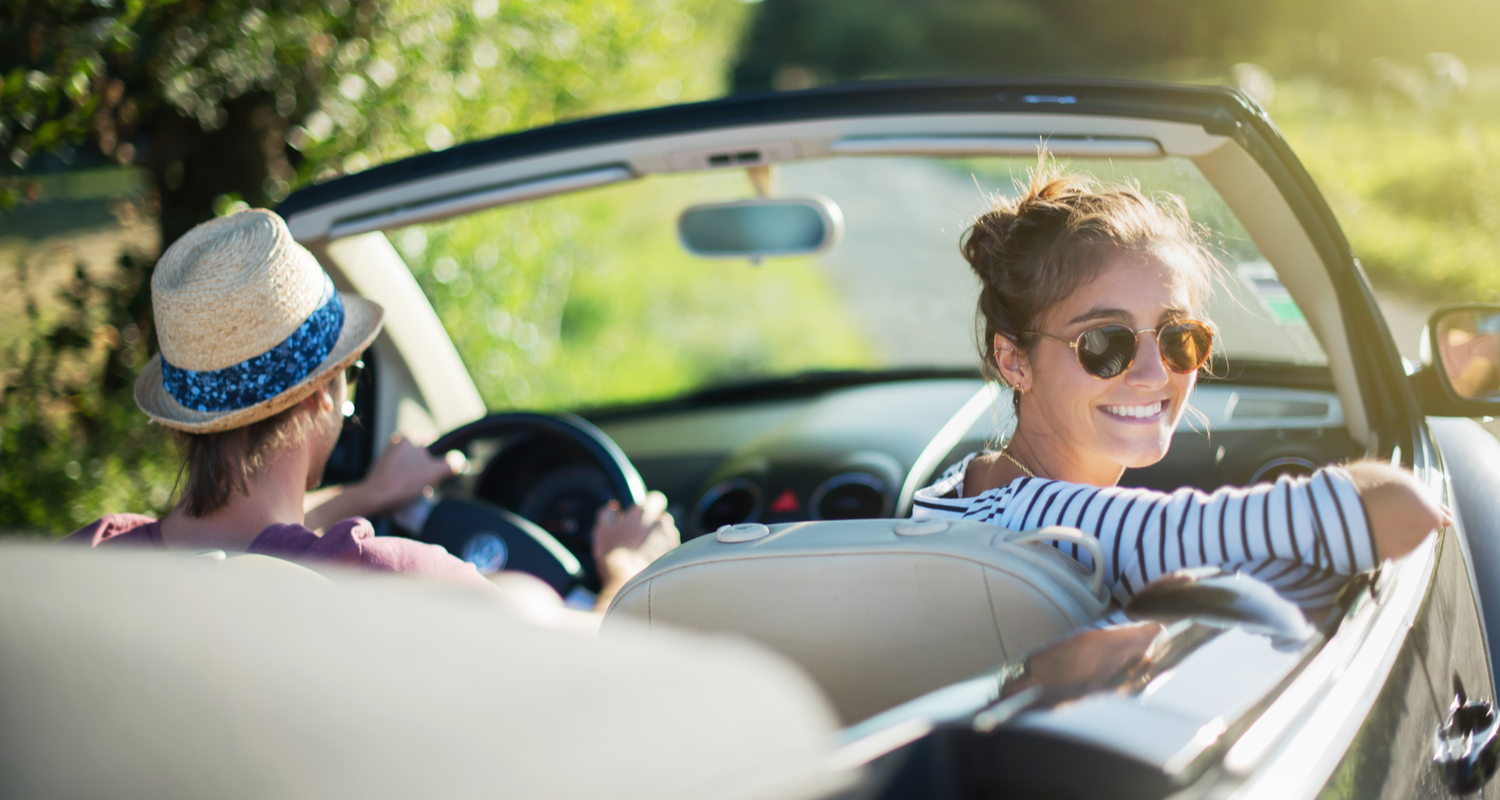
1391	757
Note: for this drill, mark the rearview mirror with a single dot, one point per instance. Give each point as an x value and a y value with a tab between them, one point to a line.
761	228
1461	351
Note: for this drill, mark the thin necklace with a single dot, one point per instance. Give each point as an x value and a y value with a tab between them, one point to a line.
1013	460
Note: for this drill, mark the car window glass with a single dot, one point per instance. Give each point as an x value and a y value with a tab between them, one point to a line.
589	300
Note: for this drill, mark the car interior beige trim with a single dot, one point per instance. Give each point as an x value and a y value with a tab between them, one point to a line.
1000	146
807	139
154	676
877	611
374	269
1279	236
478	200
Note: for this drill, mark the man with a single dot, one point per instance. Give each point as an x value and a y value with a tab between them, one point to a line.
255	342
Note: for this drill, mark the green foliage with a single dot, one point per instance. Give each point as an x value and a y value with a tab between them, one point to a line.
238	102
349	85
71	443
434	74
591	301
1417	189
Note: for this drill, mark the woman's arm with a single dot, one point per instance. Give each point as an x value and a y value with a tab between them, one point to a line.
1333	522
1400	510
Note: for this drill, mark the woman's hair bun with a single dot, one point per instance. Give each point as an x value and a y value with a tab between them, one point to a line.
983	244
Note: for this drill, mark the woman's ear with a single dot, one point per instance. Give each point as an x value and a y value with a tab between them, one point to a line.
1011	363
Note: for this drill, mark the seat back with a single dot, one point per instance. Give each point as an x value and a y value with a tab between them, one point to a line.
878	611
145	675
256	563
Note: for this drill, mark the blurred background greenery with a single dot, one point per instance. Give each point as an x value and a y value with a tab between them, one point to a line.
125	122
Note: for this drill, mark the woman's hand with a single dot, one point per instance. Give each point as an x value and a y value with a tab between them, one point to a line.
1087	661
626	541
1400	511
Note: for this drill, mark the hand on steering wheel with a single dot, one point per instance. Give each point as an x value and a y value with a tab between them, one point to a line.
406	470
626	541
494	538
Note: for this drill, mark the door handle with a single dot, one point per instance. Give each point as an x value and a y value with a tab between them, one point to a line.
1466	748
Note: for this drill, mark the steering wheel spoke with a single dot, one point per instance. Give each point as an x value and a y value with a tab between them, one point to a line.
493	538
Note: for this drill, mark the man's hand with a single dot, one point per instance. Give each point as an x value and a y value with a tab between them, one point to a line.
1401	512
403	473
626	541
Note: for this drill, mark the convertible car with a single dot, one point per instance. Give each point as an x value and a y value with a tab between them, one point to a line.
757	306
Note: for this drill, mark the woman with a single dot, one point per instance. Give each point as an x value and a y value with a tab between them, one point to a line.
1091	311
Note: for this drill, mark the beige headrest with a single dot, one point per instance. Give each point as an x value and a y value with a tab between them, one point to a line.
878	611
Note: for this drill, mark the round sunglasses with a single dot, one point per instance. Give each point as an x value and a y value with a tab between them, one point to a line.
1106	351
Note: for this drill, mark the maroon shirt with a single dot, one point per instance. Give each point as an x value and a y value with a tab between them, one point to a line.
347	543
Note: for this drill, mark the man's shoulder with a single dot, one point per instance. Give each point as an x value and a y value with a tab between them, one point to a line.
112	529
343	541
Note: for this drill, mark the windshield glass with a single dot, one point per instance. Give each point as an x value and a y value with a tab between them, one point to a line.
590	300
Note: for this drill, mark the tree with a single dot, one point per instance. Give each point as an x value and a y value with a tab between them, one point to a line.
240	101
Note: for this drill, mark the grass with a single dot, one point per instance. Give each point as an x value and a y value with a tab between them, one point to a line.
1417	189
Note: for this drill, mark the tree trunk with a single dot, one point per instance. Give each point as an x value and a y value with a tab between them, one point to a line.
190	167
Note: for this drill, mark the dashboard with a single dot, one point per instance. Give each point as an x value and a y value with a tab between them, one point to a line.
861	450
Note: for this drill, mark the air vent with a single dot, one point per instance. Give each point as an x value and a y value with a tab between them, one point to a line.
1277	408
728	503
852	495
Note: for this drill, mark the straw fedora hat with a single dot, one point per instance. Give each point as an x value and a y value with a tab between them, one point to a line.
249	325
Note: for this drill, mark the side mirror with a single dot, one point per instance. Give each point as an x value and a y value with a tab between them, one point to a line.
761	228
1460	354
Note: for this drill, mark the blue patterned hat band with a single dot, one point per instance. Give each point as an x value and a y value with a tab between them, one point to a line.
262	377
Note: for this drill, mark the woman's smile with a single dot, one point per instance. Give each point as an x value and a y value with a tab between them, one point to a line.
1137	413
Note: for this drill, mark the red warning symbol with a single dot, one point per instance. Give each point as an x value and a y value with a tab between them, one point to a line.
785	503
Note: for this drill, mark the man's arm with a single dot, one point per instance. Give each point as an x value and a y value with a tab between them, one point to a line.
402	473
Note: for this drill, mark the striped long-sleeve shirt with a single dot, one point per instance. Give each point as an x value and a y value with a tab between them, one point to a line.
1301	535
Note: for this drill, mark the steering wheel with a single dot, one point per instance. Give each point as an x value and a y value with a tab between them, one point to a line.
491	537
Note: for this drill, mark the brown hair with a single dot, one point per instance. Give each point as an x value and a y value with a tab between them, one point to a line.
224	461
1030	253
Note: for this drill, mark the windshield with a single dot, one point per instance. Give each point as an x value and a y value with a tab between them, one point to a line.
589	300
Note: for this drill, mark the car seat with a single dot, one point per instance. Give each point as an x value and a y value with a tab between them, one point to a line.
877	611
256	563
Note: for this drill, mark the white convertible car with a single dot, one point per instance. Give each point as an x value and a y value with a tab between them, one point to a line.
807	639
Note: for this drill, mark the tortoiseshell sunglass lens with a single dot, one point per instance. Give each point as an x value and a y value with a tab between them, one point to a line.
1185	345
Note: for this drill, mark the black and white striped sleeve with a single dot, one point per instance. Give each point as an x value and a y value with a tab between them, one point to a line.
1317	522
